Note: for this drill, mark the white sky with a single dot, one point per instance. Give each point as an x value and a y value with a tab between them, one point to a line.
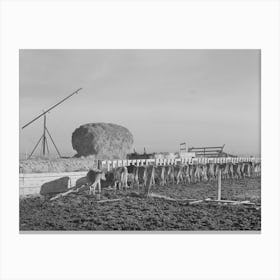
164	97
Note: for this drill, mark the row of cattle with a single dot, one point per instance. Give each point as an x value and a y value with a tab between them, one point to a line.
163	175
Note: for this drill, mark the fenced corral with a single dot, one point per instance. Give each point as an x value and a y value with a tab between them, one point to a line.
179	197
31	183
110	164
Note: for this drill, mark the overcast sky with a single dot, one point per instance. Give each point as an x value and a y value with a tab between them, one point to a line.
164	97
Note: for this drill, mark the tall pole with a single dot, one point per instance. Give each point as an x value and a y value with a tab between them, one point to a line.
45	130
53	143
35	147
44	136
46	111
219	184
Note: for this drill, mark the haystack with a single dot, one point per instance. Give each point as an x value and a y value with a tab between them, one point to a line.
104	140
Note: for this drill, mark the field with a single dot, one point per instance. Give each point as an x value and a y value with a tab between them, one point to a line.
135	213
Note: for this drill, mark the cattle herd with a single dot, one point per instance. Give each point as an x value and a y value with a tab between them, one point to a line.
164	175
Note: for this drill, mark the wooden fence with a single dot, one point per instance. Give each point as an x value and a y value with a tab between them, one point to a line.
30	183
109	164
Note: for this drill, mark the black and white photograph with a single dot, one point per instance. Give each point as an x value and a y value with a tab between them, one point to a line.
140	140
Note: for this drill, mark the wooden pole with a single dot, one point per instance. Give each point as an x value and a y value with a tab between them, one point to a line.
219	184
53	142
44	136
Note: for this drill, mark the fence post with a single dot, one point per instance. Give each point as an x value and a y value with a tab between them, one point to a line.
99	164
219	184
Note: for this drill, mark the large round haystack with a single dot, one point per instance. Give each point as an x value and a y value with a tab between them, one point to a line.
104	140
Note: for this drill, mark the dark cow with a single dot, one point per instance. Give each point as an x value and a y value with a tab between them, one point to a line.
94	178
117	177
132	171
160	175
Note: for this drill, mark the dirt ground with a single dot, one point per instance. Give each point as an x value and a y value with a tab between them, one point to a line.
133	213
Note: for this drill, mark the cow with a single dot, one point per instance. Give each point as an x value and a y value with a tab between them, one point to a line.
231	173
211	171
94	178
204	173
117	178
257	169
160	175
132	171
224	167
120	177
142	175
246	169
146	177
237	171
192	173
186	174
198	174
217	169
178	174
150	178
170	176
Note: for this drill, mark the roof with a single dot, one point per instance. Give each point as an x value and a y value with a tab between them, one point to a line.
209	151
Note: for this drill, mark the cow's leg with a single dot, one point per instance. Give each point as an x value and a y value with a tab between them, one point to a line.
161	180
136	179
99	186
196	177
120	185
125	181
163	177
92	189
179	179
115	185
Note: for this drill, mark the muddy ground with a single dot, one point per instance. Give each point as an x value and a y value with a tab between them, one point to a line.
133	213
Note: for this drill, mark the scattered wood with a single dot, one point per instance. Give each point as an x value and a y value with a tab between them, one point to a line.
108	200
162	196
196	201
170	198
72	190
189	200
233	202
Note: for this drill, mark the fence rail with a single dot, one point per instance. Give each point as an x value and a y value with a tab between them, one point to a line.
109	164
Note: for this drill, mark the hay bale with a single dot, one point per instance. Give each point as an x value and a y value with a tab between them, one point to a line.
55	186
104	140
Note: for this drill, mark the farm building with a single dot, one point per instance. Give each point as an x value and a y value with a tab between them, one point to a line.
217	151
